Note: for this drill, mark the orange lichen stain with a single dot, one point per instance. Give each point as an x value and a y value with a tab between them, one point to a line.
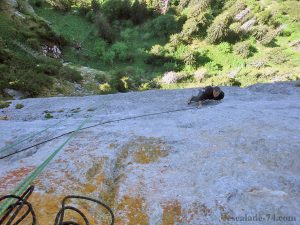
132	211
145	150
96	169
144	156
172	213
15	176
46	207
89	188
100	179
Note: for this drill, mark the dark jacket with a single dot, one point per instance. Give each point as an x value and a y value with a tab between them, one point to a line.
207	94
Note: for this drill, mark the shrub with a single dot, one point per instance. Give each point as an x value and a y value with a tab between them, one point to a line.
106	88
157	50
163	25
104	28
213	67
116	9
148	85
4	104
100	47
170	78
120	49
109	56
269	37
243	49
62	5
224	47
69	74
259	31
219	28
278	56
48	116
190	58
139	12
34	43
200	74
49	69
19	106
30	81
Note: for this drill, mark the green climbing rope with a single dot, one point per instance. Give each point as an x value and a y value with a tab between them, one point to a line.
30	136
29	179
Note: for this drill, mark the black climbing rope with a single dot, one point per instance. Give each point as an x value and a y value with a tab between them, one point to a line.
22	201
95	125
16	207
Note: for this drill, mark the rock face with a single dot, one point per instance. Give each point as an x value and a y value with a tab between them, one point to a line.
213	165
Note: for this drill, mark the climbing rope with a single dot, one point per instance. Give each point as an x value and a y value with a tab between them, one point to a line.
23	187
17	142
95	125
15	209
29	179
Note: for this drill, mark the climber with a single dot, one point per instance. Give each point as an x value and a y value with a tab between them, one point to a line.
207	93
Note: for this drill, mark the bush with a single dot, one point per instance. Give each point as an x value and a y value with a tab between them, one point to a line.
117	10
125	79
34	43
278	56
69	74
139	12
4	104
148	86
100	47
259	31
48	116
19	106
213	67
170	78
30	82
269	37
120	49
163	25
109	56
224	48
200	74
62	5
104	28
219	28
243	49
49	69
106	88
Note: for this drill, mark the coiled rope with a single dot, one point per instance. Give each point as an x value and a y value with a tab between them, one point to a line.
29	179
15	209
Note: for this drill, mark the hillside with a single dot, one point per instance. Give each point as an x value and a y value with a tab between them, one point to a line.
198	166
61	47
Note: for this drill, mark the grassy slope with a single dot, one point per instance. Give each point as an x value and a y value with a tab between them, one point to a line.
139	41
78	29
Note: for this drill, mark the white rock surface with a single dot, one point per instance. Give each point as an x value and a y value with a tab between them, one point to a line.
200	166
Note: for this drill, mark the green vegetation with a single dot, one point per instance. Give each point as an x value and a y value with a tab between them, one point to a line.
4	104
19	106
48	116
138	47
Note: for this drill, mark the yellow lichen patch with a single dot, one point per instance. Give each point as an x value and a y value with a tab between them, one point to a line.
132	211
96	169
46	207
145	156
89	188
14	177
171	213
146	150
